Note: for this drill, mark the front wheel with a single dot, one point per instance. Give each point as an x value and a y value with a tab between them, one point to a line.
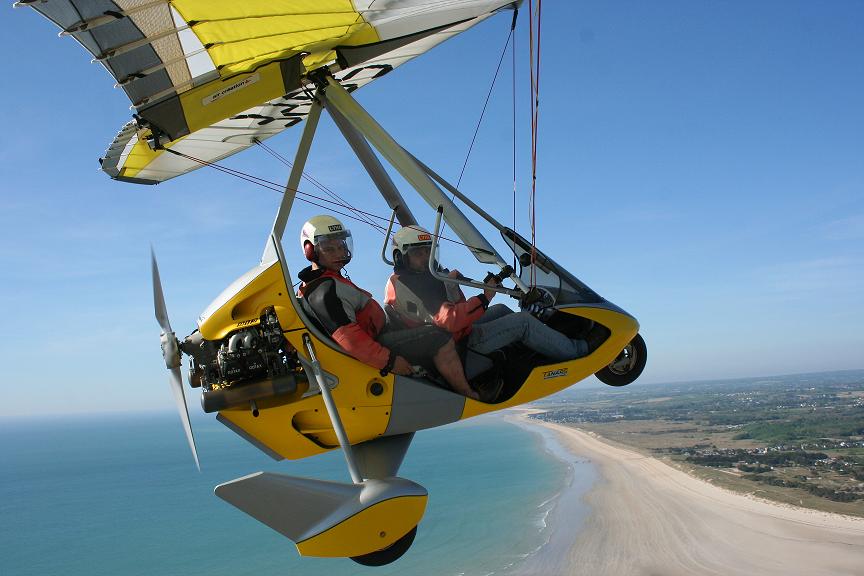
389	554
627	366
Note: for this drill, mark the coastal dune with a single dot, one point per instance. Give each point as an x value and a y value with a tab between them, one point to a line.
648	518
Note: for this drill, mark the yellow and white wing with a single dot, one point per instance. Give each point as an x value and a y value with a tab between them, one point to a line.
207	78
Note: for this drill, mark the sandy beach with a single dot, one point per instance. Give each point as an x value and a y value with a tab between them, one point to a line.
647	518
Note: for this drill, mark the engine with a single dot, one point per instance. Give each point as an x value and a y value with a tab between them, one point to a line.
228	369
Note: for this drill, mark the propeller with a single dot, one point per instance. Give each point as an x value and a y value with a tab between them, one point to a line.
171	353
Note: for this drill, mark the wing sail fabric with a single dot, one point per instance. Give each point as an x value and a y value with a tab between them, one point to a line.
207	78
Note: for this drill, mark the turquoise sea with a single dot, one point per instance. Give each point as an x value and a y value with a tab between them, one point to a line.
119	494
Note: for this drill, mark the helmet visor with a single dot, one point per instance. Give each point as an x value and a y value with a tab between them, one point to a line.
419	248
335	243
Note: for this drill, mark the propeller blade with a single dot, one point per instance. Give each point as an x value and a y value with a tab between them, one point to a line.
158	297
180	398
171	353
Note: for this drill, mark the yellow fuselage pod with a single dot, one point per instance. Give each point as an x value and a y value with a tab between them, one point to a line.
297	425
552	378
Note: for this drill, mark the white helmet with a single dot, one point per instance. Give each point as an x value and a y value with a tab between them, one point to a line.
407	238
322	228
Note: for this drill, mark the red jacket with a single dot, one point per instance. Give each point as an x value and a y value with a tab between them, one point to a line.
420	298
348	313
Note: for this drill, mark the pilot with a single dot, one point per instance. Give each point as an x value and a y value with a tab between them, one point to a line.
357	322
418	298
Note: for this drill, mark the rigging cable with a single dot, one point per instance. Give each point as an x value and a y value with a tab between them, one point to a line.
336	198
486	102
534	64
276	187
360	215
513	112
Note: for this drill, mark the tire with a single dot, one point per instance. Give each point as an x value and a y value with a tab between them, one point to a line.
627	366
389	554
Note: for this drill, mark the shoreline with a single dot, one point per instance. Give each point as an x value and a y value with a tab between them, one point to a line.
646	517
567	506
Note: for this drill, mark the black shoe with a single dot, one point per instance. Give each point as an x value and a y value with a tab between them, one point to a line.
490	383
489	390
596	337
499	359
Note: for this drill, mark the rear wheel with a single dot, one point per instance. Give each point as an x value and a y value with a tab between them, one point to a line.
389	554
627	366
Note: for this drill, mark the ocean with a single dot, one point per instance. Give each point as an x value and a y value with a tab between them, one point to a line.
119	494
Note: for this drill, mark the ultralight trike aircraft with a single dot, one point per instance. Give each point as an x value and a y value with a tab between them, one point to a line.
268	371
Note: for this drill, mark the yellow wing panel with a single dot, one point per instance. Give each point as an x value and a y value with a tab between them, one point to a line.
241	36
155	55
216	101
213	10
139	157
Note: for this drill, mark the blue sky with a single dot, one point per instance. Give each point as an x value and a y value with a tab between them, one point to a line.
700	165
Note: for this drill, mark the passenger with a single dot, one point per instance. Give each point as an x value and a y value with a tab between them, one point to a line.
418	298
357	322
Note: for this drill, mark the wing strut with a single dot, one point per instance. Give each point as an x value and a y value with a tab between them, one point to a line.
358	126
373	166
340	99
293	181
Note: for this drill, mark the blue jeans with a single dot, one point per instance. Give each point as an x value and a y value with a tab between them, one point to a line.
500	326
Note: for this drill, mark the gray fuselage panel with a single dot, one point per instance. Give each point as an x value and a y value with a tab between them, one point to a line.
420	404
